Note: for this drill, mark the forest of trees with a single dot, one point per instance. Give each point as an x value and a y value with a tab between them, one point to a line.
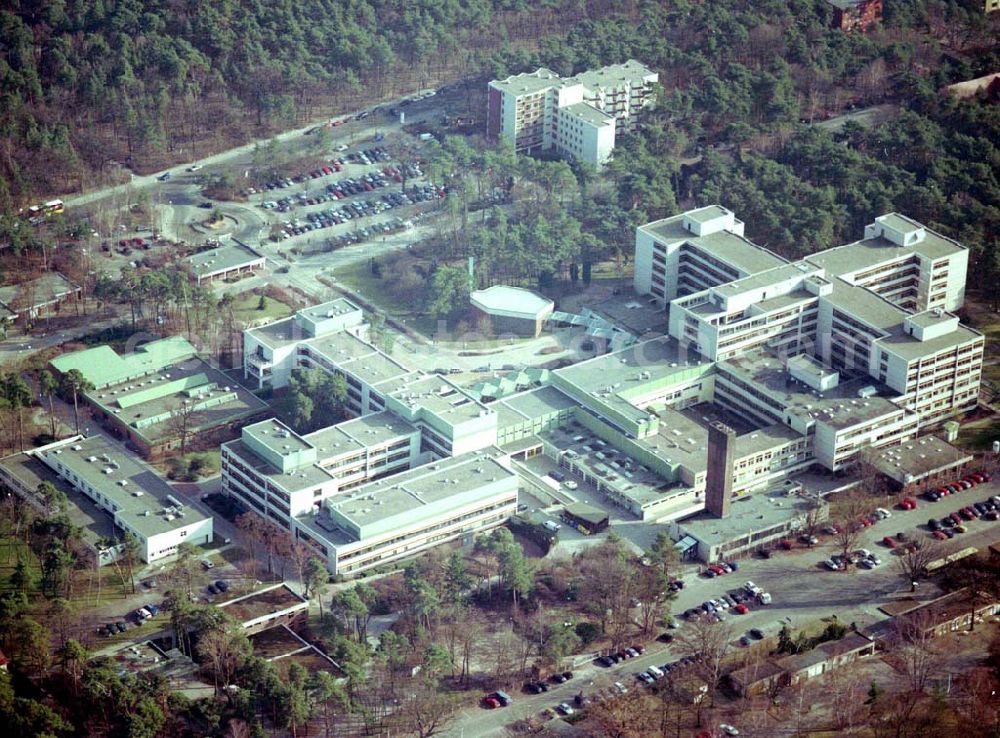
146	82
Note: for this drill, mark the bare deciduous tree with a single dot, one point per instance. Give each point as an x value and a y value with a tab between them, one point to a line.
912	651
848	511
709	643
912	561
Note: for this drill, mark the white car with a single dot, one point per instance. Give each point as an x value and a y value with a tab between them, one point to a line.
831	565
194	167
620	688
342	147
728	729
883	513
207	564
570	484
565	709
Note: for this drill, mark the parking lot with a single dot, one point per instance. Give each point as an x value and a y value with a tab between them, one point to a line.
804	592
340	200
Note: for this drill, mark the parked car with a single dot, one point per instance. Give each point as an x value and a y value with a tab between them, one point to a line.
207	564
889	542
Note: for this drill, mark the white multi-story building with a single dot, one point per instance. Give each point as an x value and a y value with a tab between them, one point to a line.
876	308
271	351
579	116
138	499
817	360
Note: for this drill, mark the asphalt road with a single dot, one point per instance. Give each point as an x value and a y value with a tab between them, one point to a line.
803	592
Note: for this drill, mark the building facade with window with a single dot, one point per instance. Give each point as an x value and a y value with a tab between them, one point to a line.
578	116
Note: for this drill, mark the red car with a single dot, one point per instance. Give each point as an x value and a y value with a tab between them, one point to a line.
741	609
908	503
719	571
491	703
339	122
889	542
940	535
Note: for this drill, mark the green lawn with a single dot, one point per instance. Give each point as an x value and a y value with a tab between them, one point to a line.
359	278
980	434
245	309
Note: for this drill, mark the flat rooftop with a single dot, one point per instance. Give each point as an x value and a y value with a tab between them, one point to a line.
839	407
263	602
410	492
748	513
147	404
323	311
535	403
307	475
738	252
278	334
588	114
628	477
28	472
528	82
859	255
916	459
103	366
612	378
440	396
359	433
230	256
613	75
42	290
660	356
910	348
144	500
357	357
679	440
766	278
276	436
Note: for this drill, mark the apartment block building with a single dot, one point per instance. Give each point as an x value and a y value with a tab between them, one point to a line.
577	116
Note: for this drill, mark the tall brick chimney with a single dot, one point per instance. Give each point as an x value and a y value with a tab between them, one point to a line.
719	479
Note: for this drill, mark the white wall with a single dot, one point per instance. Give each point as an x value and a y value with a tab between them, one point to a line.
165	544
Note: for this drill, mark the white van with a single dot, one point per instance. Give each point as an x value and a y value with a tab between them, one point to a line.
552	526
656	672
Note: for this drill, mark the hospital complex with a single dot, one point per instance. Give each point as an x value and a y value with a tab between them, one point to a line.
770	367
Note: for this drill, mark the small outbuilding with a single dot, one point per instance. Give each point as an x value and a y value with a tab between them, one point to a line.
586	517
513	310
